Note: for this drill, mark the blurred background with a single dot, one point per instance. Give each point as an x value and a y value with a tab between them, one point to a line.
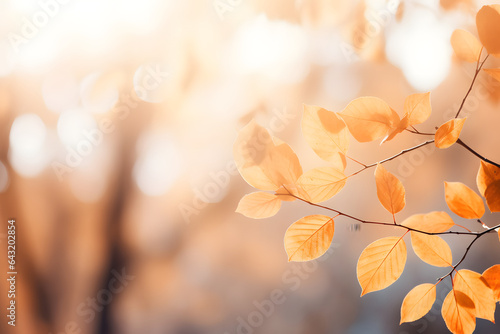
117	120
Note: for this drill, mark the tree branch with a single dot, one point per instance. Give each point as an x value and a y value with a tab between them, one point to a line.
362	221
478	69
461	143
394	156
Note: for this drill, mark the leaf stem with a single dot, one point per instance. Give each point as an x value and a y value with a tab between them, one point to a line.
356	161
465	228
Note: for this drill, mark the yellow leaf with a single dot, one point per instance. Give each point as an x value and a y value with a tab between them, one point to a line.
259	205
486	175
418	108
463	201
418	302
381	263
493	72
488	28
475	287
448	133
466	45
431	249
369	118
433	222
458	313
325	132
309	237
322	183
492	276
264	164
492	195
390	190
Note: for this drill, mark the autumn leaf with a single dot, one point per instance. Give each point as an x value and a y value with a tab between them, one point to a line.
259	205
393	132
466	45
492	276
325	132
432	222
448	133
476	288
492	195
493	72
463	201
309	237
486	175
249	150
418	108
431	249
283	165
369	118
488	28
390	190
322	183
265	163
418	302
381	263
458	313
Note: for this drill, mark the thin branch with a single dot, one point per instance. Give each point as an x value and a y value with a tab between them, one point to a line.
463	257
340	213
394	156
420	133
467	147
356	161
478	69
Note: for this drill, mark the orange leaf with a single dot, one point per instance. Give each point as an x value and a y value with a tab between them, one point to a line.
264	164
325	132
486	175
488	28
493	72
418	302
259	205
309	237
369	118
466	45
381	263
431	249
390	190
492	195
458	313
433	222
477	289
492	276
418	108
393	132
463	201
448	133
322	183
